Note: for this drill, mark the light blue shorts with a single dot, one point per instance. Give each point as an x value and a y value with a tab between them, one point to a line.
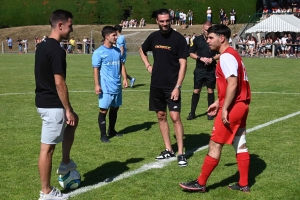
53	126
110	100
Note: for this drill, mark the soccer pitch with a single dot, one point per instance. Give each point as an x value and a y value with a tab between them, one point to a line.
125	168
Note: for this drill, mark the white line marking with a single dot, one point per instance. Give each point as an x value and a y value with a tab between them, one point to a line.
163	163
136	90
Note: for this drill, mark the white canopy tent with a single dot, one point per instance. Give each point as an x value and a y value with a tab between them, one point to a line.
277	23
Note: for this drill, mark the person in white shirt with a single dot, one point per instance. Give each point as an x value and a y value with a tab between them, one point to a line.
283	44
251	45
183	21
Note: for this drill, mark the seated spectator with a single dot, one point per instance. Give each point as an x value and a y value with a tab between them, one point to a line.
121	23
261	47
265	12
289	10
269	43
277	44
142	22
125	23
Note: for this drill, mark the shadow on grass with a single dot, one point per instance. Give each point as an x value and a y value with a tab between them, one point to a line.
137	127
107	172
192	142
138	85
257	166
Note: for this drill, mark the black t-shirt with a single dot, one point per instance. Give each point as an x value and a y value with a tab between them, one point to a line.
50	59
289	41
167	49
201	49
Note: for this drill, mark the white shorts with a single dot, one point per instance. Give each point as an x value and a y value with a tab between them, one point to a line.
232	17
53	126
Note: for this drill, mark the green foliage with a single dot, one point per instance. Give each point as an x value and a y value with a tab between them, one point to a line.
36	12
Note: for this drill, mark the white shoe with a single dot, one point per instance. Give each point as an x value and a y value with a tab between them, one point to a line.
53	195
64	169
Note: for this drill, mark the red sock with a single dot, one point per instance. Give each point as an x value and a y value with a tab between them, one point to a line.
207	168
243	162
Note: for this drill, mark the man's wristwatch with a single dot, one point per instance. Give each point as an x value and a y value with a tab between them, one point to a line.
178	87
212	59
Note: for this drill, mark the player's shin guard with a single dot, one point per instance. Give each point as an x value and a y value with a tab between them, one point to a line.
243	162
113	114
102	123
208	166
194	103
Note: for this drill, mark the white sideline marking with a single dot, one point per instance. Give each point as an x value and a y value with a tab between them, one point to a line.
163	163
134	90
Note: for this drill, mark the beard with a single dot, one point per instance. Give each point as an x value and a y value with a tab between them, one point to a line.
165	29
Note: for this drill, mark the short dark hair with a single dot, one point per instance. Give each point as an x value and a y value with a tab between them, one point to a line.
162	11
118	27
59	15
108	30
220	29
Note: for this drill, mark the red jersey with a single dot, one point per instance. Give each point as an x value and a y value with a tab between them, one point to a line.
230	63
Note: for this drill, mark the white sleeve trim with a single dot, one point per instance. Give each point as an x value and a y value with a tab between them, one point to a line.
229	65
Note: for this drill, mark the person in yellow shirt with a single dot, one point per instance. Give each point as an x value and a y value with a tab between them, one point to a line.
71	46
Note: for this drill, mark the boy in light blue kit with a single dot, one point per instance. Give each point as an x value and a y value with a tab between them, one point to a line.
108	67
121	44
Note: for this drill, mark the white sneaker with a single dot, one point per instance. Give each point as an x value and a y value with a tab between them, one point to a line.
64	169
53	195
132	82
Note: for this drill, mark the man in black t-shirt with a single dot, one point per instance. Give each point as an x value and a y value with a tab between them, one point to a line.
204	73
170	60
52	102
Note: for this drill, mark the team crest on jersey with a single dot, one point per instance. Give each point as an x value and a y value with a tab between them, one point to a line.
192	43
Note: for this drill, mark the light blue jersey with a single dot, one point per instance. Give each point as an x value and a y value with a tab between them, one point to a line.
108	61
121	42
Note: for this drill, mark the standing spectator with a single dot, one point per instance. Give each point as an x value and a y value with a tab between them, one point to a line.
88	45
108	68
283	45
121	44
297	47
251	45
232	17
208	14
71	46
180	17
79	46
289	43
142	22
25	45
84	41
222	15
9	43
53	104
183	20
231	108
172	15
241	45
190	17
177	17
168	73
20	45
204	73
277	43
37	41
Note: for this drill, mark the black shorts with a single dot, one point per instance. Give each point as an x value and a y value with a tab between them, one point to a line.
159	98
10	47
204	77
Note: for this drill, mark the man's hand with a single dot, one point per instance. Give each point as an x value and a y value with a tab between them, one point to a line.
213	109
207	61
175	94
125	83
98	89
71	119
225	117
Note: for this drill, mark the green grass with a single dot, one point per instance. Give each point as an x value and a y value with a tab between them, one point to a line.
274	172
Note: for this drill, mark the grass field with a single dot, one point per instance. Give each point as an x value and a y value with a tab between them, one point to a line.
125	168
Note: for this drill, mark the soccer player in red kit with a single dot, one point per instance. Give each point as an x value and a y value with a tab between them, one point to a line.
231	109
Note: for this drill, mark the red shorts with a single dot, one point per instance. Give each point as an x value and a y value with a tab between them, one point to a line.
237	116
